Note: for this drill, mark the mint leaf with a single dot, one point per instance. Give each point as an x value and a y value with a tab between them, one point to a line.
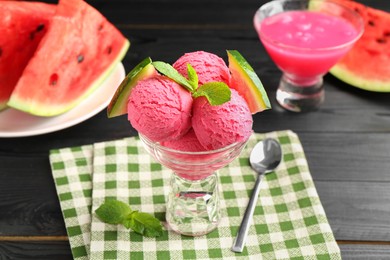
113	211
130	223
118	212
149	225
192	76
216	93
144	224
169	71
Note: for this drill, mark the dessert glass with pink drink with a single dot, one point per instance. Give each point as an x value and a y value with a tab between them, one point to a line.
305	38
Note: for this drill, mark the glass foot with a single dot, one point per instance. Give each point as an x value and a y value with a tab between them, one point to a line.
297	97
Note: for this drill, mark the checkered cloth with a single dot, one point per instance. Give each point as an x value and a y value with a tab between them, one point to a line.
289	221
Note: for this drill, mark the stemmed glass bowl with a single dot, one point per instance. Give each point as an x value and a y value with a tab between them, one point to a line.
193	207
294	47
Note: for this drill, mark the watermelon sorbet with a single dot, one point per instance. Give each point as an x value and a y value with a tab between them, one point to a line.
165	112
208	66
160	109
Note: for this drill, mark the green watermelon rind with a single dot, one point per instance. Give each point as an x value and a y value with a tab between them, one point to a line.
53	110
253	92
347	76
118	103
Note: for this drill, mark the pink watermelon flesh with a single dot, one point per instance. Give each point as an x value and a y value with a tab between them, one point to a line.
78	51
22	26
366	65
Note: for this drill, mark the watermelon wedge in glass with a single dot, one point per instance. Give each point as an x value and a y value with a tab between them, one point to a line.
22	26
77	53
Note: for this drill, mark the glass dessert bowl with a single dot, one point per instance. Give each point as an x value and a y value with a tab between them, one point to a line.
305	38
193	202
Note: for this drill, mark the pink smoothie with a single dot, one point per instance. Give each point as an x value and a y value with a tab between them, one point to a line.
306	43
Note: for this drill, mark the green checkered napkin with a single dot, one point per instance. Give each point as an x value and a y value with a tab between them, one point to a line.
288	223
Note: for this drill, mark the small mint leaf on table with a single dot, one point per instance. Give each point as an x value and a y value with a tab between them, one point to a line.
130	223
113	211
118	212
148	225
144	224
216	93
169	71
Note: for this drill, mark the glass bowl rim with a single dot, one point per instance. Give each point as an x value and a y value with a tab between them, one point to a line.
229	147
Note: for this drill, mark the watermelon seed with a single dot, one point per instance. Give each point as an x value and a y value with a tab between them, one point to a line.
387	34
32	35
80	58
357	10
381	40
1	51
100	27
53	79
371	23
109	50
40	27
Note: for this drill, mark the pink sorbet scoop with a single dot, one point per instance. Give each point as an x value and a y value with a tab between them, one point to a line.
188	143
218	126
160	109
208	66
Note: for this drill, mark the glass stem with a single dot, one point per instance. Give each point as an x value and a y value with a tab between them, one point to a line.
193	206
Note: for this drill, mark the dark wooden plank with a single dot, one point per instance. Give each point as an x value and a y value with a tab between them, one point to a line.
348	157
364	252
188	12
357	210
29	204
98	128
59	250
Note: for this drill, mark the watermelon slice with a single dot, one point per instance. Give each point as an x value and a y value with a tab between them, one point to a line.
118	103
245	80
22	26
366	65
76	54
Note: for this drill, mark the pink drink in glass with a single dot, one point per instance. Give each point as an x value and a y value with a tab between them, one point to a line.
306	44
305	38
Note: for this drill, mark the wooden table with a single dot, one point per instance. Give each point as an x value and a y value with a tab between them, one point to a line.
347	141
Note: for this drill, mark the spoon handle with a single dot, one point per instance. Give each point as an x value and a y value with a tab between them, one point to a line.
239	242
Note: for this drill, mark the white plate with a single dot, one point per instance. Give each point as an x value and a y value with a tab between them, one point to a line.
14	123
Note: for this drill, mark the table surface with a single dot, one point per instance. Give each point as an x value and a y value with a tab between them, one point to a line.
347	141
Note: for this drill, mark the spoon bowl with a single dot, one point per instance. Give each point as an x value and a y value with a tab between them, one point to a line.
265	156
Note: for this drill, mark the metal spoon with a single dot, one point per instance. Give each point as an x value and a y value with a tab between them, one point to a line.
264	158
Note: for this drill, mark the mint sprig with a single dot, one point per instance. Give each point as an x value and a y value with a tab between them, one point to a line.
117	212
192	77
169	71
216	93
